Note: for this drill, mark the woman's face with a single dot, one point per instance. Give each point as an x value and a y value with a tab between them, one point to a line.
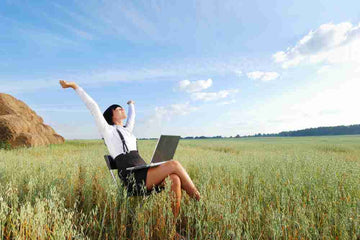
119	114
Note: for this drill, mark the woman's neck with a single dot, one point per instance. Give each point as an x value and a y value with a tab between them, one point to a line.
119	123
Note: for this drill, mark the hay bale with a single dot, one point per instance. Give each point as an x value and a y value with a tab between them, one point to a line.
21	126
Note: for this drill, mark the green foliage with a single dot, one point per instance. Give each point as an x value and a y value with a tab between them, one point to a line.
252	188
5	145
319	131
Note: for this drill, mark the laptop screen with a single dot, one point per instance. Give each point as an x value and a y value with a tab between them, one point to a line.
165	149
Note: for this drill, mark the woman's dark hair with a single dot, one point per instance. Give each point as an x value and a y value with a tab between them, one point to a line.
108	114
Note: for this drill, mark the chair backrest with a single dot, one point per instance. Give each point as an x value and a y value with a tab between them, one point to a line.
110	163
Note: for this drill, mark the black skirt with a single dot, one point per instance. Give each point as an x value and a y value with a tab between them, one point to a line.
135	181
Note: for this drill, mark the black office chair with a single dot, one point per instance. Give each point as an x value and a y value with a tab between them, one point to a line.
110	163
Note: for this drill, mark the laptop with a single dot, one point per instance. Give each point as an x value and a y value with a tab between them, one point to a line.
164	151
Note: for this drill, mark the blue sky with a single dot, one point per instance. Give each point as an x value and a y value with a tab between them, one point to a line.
192	67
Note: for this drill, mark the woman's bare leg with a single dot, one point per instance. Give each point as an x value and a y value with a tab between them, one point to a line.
176	189
156	176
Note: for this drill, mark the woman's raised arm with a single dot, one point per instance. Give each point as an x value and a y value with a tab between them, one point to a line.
100	121
131	116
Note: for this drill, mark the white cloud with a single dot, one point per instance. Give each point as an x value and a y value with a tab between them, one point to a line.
73	108
74	30
324	69
174	110
255	75
194	86
239	73
157	121
327	101
152	21
73	130
161	118
331	43
227	102
212	96
39	36
263	76
99	77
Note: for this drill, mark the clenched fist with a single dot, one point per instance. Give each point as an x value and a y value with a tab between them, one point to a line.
66	84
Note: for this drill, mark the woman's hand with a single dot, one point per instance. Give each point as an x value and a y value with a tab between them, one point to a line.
66	84
130	101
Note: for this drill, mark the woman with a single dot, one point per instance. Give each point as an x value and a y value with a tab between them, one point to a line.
121	144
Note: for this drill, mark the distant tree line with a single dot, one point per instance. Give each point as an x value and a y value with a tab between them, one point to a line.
201	137
319	131
190	137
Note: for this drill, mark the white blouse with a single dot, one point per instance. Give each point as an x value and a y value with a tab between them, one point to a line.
108	132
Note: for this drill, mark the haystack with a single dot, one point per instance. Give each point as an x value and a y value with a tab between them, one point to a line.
21	126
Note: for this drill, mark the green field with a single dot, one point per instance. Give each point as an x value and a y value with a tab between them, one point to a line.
254	188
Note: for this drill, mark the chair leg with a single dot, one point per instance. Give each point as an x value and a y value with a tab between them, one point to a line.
112	174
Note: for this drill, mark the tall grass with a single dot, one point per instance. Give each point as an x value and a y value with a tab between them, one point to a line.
259	188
